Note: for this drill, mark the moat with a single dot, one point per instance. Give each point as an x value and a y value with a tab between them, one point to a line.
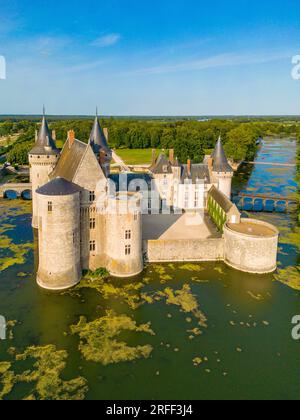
215	332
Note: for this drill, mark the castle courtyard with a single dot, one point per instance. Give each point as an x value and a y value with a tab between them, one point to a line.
187	226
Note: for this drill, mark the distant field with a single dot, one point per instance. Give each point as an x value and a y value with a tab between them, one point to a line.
136	156
59	144
6	140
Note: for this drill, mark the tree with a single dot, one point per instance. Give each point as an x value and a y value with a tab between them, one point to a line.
241	142
19	153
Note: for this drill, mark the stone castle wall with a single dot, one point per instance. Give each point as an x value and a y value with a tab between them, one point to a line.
184	250
59	242
40	168
120	218
251	253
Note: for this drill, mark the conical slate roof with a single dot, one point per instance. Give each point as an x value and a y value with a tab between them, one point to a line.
97	138
220	162
45	145
59	187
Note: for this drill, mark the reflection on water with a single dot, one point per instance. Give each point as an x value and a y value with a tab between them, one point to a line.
245	351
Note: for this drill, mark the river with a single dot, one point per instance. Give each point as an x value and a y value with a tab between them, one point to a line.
245	350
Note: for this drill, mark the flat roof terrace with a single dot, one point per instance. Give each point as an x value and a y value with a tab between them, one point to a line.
253	228
189	225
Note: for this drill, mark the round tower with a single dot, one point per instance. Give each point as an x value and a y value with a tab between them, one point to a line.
251	246
124	235
42	160
222	171
59	235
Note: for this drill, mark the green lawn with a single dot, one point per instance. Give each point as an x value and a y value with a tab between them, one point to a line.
136	156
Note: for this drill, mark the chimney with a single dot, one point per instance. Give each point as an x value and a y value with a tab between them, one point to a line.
36	135
54	135
210	163
71	137
189	166
105	132
171	156
153	156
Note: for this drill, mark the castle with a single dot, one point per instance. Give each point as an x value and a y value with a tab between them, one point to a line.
173	213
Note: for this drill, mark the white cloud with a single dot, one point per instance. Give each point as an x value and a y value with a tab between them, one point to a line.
106	40
85	67
221	60
47	45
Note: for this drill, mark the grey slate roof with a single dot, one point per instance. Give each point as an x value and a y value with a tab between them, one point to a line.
97	138
220	162
59	187
69	161
129	178
221	199
45	145
198	172
161	166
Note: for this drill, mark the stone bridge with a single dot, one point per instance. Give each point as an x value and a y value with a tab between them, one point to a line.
248	198
19	189
283	165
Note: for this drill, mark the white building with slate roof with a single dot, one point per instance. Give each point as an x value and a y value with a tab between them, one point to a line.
83	226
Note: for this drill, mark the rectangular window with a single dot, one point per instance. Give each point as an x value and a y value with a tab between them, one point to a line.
135	216
196	198
92	196
92	246
92	223
128	234
186	199
50	206
127	249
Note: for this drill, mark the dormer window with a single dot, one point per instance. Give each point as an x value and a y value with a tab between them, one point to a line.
165	169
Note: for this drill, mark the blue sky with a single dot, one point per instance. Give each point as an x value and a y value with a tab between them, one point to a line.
142	57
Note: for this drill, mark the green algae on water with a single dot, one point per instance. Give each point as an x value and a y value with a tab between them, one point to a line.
98	339
186	301
15	253
289	276
47	366
7	379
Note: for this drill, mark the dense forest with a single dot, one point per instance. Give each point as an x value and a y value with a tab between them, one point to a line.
190	138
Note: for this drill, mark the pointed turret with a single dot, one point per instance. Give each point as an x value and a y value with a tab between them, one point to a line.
220	162
221	170
42	159
97	138
45	145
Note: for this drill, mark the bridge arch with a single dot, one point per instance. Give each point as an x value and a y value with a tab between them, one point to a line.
26	194
11	194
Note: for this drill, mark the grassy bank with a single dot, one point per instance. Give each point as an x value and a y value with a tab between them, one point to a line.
136	156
